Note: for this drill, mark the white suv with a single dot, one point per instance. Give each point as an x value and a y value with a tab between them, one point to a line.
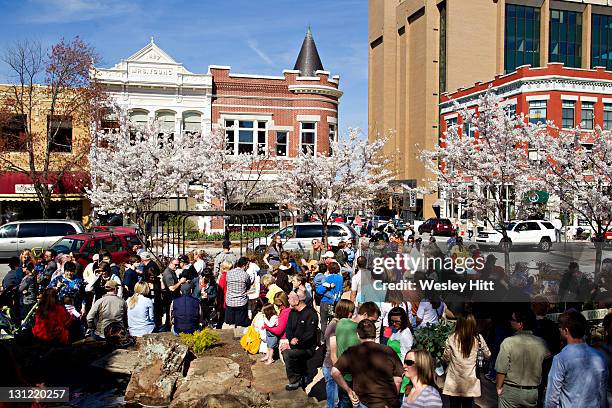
539	233
299	236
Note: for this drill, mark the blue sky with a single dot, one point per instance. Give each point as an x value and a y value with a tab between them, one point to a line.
255	37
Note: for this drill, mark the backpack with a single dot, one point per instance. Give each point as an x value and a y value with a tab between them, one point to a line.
251	341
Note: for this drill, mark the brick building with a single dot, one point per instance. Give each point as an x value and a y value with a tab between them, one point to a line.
569	97
278	114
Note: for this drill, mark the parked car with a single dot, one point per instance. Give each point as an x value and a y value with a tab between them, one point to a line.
299	236
119	243
539	233
19	235
437	226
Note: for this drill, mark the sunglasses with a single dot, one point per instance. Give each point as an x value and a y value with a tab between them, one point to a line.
409	363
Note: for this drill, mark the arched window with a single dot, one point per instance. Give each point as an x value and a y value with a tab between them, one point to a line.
166	121
139	117
192	122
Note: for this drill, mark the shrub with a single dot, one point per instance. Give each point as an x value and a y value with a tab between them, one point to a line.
201	340
433	338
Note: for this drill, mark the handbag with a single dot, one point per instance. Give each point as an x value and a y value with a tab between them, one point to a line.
480	357
250	341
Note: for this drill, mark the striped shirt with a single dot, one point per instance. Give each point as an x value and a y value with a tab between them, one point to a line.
428	398
238	283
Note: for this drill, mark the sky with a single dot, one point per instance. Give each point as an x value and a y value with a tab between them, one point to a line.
253	37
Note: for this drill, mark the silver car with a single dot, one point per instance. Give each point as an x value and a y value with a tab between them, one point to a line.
19	235
299	236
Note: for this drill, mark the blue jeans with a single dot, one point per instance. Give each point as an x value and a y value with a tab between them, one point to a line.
331	388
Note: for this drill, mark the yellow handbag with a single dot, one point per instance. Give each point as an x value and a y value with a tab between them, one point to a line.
251	341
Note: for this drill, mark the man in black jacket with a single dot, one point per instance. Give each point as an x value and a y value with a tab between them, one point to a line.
301	332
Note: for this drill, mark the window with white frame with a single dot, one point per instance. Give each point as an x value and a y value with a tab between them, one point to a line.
282	142
308	137
534	154
450	122
139	117
607	119
192	122
333	136
166	122
510	110
537	112
246	136
468	129
587	115
567	114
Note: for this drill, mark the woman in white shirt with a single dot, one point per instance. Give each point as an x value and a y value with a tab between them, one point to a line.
429	312
400	331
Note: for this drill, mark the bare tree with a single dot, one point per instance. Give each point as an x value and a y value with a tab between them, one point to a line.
51	94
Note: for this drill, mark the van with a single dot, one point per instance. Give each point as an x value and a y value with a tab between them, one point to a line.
19	235
299	236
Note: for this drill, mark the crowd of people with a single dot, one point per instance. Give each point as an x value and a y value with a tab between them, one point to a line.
324	300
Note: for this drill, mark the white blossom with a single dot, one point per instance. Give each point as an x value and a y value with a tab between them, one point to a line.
349	179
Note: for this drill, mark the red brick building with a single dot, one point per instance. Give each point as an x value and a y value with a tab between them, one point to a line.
569	97
297	110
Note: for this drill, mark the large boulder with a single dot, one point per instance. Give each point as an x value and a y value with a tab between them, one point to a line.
214	379
153	381
119	361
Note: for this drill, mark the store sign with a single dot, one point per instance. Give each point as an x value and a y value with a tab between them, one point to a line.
27	188
590	315
535	196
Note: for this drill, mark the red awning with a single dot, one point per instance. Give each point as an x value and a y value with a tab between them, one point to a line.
19	183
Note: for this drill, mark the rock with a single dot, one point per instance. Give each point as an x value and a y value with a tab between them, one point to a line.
161	363
217	401
119	361
215	376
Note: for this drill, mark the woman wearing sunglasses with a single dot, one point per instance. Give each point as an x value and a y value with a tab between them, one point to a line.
418	366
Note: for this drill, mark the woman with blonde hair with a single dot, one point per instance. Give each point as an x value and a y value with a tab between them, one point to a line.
140	311
461	354
222	290
418	366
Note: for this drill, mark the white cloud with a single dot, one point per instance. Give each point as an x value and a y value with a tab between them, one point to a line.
65	11
253	46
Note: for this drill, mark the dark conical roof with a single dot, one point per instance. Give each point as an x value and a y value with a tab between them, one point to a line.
308	61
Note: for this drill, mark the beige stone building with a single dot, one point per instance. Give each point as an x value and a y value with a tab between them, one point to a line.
419	49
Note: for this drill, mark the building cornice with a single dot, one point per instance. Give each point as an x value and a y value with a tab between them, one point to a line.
316	89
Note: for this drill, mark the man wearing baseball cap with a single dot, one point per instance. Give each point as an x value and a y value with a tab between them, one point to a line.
110	308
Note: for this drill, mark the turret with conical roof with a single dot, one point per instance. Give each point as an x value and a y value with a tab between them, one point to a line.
308	61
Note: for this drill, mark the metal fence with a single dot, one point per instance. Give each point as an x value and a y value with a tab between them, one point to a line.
167	232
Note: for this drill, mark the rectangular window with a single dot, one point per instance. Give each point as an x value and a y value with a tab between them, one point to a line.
246	136
601	41
537	112
607	119
333	136
567	115
59	130
587	115
510	110
522	39
468	129
308	137
13	134
565	39
282	140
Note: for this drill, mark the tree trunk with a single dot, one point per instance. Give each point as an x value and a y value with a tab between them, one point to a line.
599	242
45	205
324	238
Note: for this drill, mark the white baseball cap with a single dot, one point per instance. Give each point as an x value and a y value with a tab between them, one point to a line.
329	254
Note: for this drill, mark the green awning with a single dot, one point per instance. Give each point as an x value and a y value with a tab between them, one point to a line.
536	197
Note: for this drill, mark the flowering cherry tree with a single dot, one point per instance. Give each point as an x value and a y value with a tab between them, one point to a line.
133	168
349	178
233	179
479	170
577	168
